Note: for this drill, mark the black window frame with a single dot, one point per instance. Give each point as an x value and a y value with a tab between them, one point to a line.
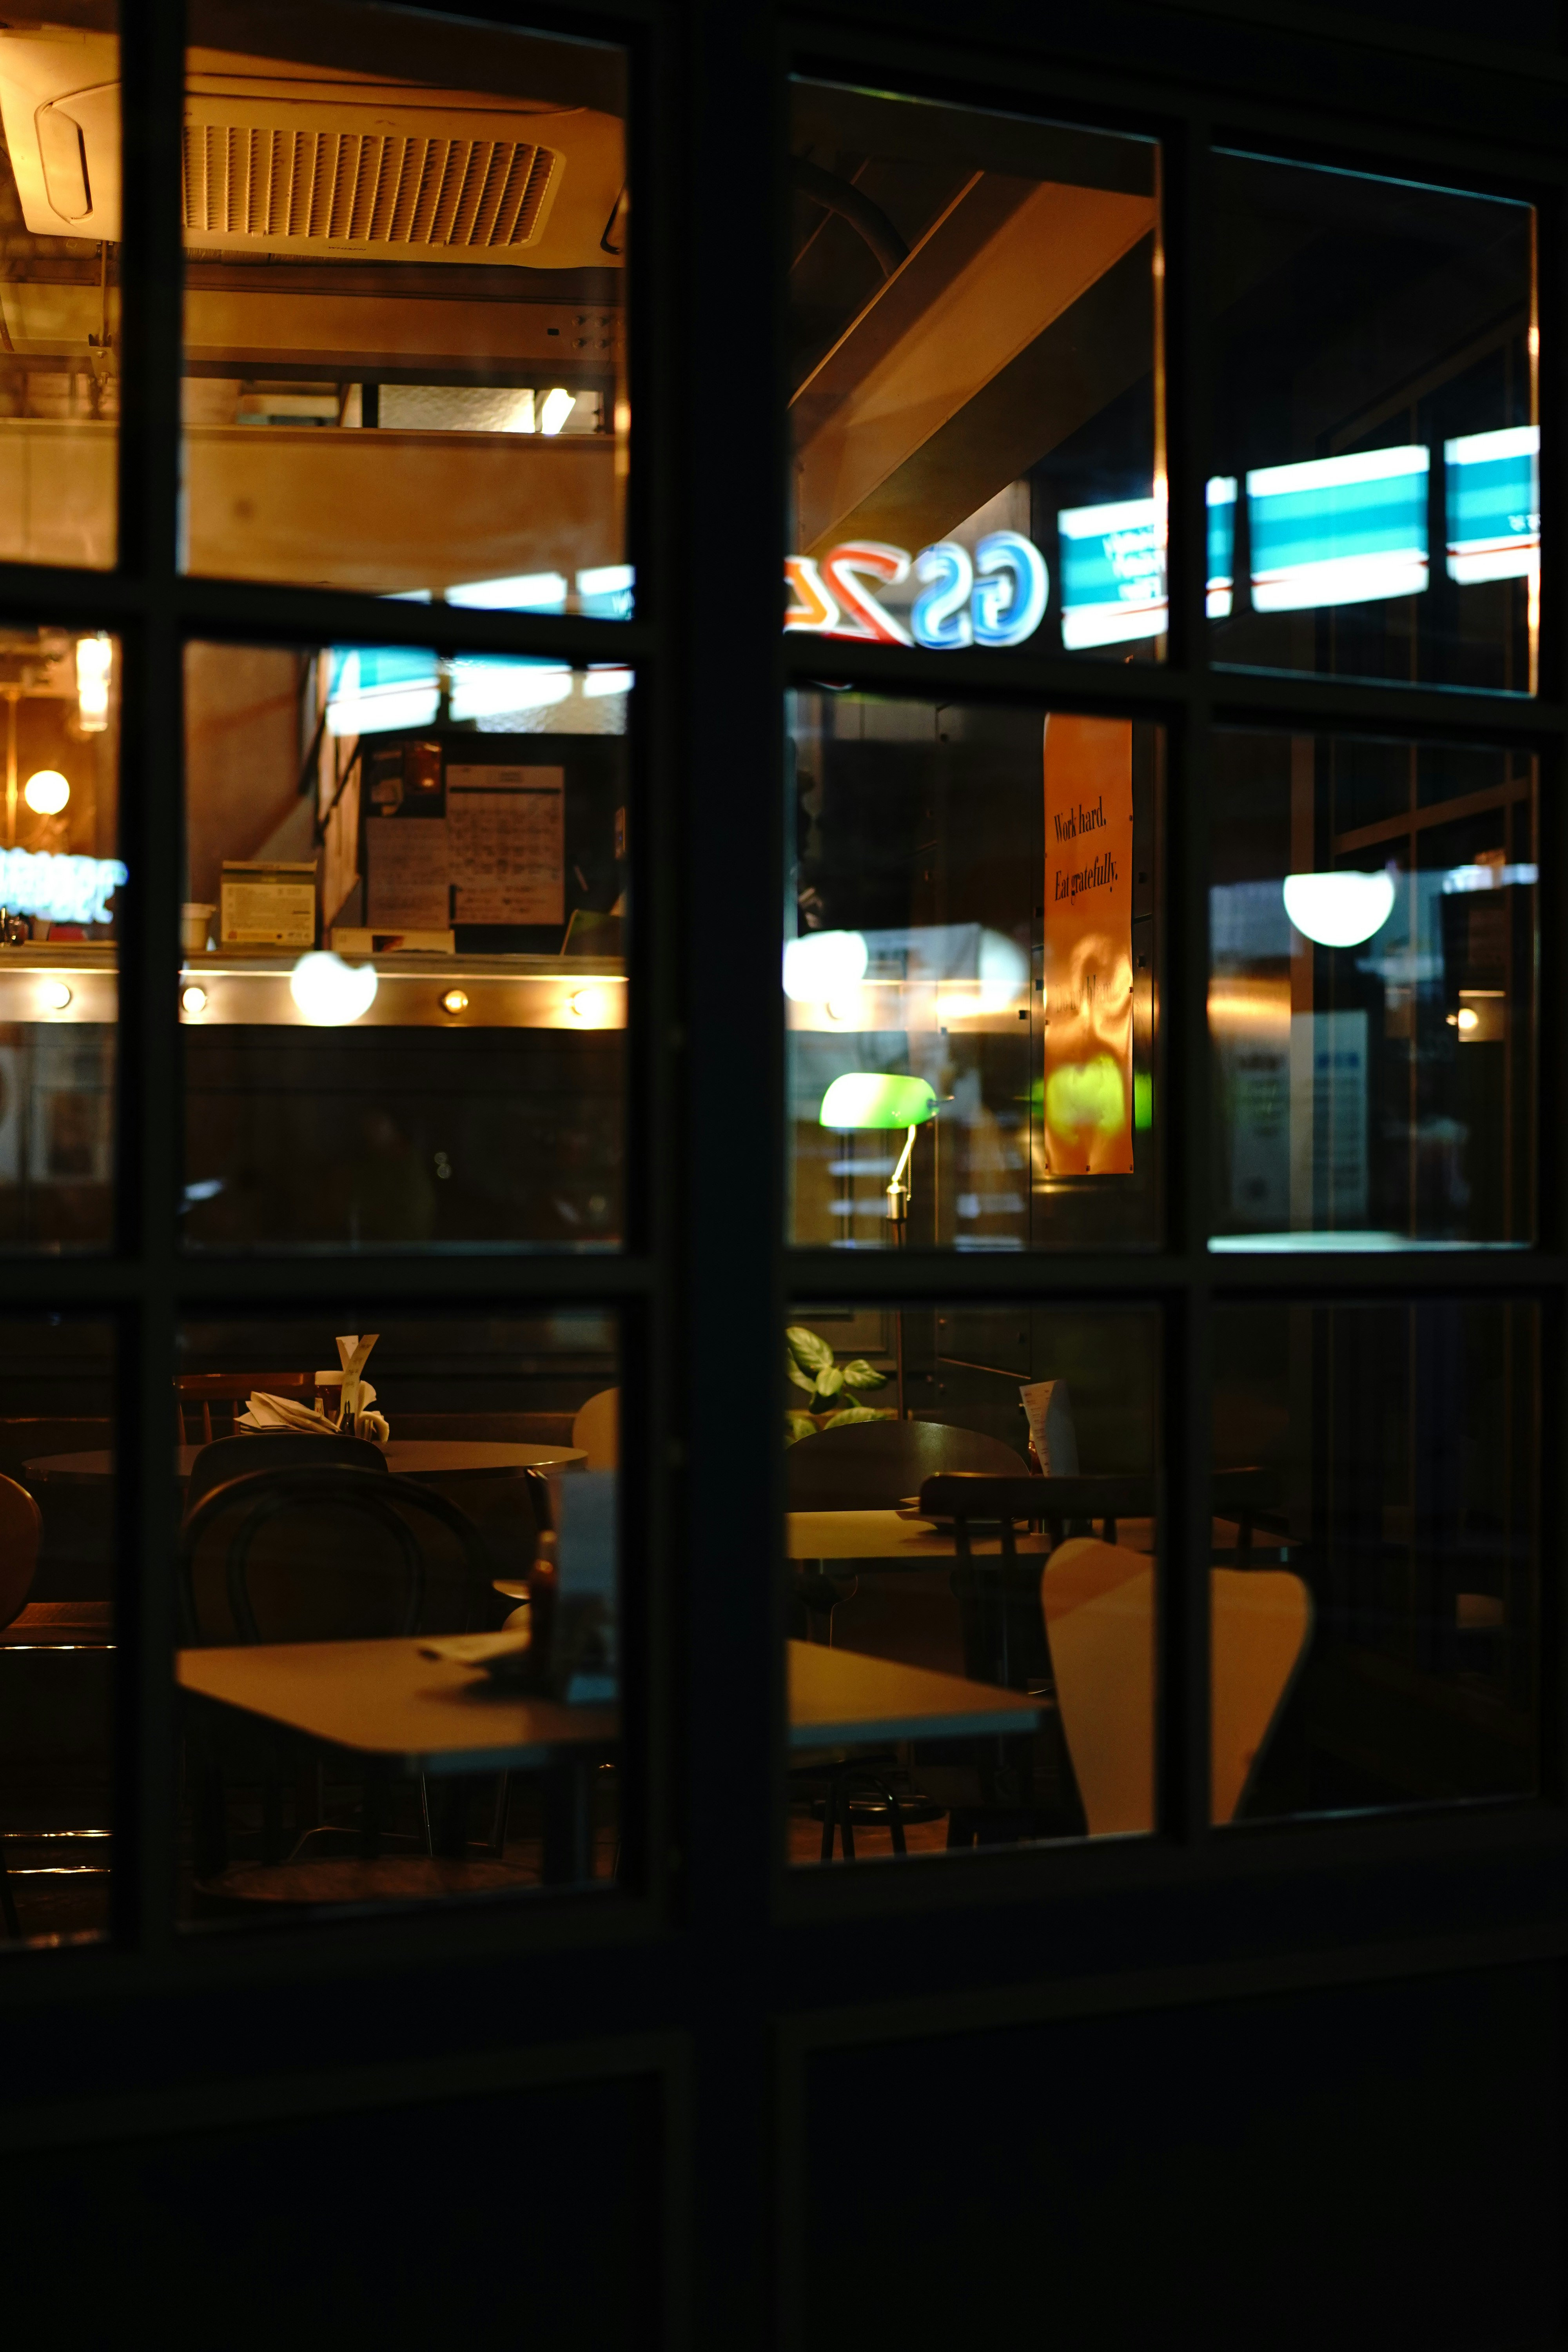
714	1966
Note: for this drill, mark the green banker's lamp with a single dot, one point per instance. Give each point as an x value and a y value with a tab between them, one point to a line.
872	1098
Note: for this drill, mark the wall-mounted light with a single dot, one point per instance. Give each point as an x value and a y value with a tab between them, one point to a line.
455	1001
192	1001
53	995
94	663
594	1008
555	408
1339	910
47	793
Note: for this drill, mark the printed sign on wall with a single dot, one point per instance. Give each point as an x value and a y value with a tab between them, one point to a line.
1087	1096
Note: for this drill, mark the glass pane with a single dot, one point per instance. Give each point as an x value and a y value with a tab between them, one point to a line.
403	984
399	1591
977	403
970	1664
404	322
59	884
59	287
1374	1626
1372	993
969	965
57	1629
1376	512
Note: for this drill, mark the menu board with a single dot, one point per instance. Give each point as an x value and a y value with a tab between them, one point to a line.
407	873
506	844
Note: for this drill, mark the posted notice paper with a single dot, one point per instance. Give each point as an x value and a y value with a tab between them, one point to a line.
406	879
506	832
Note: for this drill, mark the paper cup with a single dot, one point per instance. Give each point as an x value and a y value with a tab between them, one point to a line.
194	921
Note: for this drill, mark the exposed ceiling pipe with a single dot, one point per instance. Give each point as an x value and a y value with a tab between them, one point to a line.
868	220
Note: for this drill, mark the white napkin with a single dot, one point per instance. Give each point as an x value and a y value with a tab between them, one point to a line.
268	1413
358	1395
1049	1411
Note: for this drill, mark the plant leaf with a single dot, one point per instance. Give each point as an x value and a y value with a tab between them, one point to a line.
862	1375
829	1382
814	1355
801	1380
798	1425
851	1413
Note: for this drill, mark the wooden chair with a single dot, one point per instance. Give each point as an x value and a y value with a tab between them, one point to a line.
318	1550
21	1527
196	1394
597	1428
1098	1604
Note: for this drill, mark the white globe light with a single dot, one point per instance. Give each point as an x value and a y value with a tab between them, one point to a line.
1339	910
47	793
329	993
821	964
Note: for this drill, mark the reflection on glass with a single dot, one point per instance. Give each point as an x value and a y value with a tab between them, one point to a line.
975	404
968	970
404	364
404	990
57	1630
970	1662
400	1618
59	287
1372	993
60	881
1394	1543
1375	368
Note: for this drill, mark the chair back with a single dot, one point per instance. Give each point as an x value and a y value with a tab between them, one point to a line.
871	1466
197	1394
1098	1605
597	1429
273	1449
21	1527
330	1552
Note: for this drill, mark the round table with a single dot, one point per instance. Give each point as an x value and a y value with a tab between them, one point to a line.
407	1457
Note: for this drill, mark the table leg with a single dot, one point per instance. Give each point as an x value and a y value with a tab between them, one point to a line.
568	1823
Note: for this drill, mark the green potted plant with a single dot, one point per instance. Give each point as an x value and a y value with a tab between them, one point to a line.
808	1361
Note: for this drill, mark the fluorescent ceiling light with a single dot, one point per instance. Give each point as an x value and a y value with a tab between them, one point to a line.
529	592
1339	910
483	688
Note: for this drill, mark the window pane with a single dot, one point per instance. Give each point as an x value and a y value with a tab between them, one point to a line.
1380	1609
979	1671
398	1580
60	880
1375	512
404	989
975	397
57	1629
404	325
1372	993
59	288
969	968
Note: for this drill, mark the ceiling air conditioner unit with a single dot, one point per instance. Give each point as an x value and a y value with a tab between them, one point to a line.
341	168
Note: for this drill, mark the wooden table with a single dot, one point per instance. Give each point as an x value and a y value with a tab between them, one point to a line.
885	1536
415	1715
407	1457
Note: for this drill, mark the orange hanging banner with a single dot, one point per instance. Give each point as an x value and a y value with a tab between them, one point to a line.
1086	1098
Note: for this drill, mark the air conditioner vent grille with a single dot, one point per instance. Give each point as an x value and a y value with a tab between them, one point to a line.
354	188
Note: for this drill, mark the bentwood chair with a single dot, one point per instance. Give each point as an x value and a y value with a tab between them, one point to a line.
318	1552
873	1465
20	1528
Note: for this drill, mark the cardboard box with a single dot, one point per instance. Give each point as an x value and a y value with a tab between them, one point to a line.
268	905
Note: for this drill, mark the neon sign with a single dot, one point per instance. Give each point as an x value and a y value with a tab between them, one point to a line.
59	889
996	596
1493	504
1338	530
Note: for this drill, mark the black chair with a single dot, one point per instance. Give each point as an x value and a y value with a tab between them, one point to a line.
318	1550
224	1458
872	1466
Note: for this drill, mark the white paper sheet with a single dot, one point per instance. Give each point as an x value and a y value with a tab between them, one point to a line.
506	836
